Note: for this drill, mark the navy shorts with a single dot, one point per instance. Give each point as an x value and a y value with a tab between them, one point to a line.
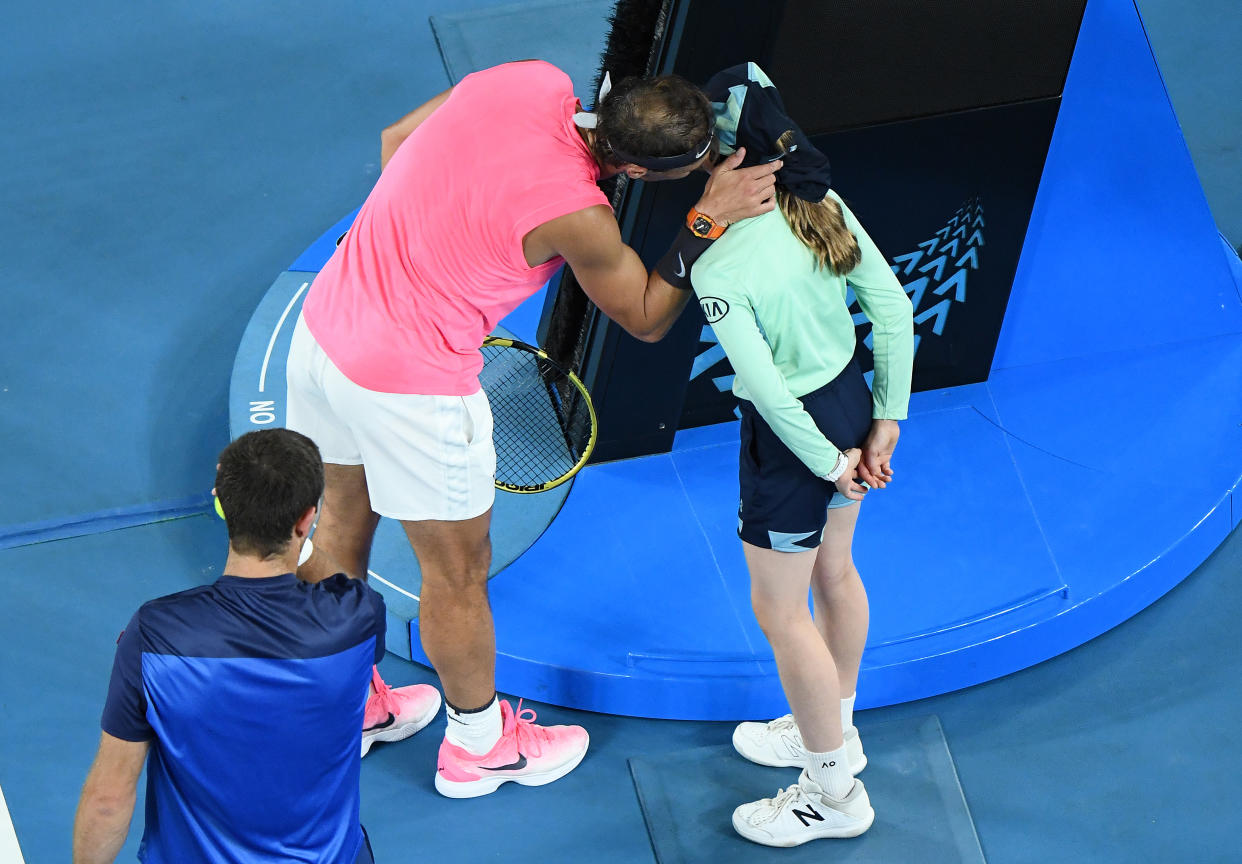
784	506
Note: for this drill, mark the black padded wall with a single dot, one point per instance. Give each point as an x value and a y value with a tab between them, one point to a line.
937	118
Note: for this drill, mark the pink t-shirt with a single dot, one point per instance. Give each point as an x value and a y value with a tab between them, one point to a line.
434	259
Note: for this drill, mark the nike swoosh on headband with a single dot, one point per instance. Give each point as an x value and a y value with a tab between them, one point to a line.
665	163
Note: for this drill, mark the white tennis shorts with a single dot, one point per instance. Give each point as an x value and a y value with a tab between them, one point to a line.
426	457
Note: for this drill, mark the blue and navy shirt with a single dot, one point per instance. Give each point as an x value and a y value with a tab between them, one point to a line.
252	693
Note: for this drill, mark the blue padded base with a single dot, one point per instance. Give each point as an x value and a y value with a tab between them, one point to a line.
1023	521
1030	513
921	815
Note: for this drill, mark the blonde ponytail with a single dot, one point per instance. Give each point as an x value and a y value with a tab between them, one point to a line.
821	228
819	225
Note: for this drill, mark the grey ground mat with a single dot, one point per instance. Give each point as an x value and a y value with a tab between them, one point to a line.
688	798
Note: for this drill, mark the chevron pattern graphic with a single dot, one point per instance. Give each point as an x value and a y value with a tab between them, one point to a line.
935	275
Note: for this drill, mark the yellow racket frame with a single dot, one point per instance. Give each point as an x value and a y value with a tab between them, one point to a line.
504	342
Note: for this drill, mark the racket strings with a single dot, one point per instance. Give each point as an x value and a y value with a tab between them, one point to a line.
542	422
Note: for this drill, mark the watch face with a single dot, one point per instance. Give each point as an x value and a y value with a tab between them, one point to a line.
702	225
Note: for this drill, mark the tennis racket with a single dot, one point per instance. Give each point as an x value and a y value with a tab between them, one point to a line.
544	424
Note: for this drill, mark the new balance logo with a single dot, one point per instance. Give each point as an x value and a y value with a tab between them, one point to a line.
806	818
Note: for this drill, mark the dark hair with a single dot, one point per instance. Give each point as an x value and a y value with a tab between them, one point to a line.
664	116
266	480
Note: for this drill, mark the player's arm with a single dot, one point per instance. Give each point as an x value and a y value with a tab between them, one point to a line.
613	275
615	278
391	137
107	803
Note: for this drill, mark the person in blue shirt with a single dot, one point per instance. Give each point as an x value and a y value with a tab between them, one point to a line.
245	697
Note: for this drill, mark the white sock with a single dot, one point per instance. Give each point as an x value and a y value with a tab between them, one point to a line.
847	712
475	730
831	772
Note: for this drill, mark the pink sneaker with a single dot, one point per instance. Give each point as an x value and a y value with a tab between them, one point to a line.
396	714
527	754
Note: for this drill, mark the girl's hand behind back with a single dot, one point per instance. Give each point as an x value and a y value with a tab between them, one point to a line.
847	483
877	453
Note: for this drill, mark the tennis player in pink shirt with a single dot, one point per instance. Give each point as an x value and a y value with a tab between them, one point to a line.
485	191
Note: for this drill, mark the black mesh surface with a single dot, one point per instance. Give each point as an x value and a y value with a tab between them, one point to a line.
542	422
632	49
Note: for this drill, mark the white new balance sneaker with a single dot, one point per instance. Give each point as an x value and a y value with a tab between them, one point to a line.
802	813
779	743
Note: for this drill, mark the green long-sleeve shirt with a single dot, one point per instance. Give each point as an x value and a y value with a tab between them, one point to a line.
785	326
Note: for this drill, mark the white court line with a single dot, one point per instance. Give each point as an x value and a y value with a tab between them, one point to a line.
10	852
375	575
272	343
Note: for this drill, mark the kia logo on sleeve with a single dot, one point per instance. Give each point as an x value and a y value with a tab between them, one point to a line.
713	308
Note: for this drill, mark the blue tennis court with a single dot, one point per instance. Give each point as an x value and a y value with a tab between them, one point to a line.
1049	665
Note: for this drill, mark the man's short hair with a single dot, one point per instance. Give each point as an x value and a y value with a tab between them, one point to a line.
266	481
653	117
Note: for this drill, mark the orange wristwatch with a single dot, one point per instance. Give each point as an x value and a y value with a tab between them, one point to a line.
702	225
